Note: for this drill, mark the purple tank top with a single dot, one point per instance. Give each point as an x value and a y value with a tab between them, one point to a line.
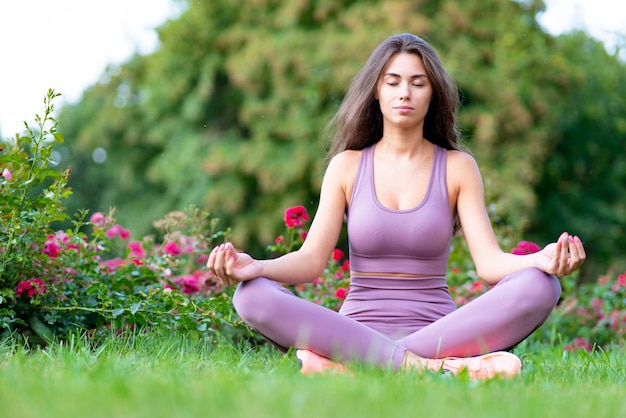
411	241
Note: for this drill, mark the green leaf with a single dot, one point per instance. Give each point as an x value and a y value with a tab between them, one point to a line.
135	307
58	137
117	312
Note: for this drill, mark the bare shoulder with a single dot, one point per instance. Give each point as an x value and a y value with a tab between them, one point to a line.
345	164
347	158
460	159
342	170
462	172
461	164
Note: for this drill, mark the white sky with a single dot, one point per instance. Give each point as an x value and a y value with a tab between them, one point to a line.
67	44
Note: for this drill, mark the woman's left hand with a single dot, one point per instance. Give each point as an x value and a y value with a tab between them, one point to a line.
563	257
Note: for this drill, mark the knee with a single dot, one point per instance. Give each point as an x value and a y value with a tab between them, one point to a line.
546	285
254	299
540	290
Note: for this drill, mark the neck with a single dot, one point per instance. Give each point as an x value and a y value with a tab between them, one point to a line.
405	144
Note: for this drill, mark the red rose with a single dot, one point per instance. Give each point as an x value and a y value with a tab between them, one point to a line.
525	247
295	216
31	287
337	254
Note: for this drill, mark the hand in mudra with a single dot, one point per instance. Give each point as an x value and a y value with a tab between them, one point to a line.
563	257
230	266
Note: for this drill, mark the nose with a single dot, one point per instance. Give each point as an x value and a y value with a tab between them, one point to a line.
405	92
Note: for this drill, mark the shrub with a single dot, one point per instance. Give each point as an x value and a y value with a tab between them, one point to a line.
55	282
589	315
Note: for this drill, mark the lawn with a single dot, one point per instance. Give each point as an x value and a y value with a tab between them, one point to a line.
172	376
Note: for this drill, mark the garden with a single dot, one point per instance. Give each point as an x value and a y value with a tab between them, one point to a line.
97	322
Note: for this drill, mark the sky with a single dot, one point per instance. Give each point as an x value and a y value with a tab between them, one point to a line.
67	44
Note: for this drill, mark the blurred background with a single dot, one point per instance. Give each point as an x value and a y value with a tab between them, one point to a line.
223	104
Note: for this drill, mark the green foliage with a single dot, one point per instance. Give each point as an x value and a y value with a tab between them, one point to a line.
30	192
591	314
55	282
582	184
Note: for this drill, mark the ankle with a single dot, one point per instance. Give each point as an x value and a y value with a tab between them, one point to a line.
412	361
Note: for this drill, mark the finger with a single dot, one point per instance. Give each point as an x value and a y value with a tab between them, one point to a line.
229	259
580	249
572	259
554	261
211	265
211	260
578	252
225	267
563	256
218	264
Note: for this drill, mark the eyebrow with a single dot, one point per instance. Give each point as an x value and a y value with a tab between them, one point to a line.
413	77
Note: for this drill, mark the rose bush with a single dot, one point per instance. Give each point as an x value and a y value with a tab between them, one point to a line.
589	314
95	276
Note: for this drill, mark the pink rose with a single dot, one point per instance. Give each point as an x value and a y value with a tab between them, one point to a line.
7	174
136	250
98	218
171	248
188	284
52	248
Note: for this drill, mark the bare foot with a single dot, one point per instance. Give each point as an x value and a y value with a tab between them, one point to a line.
487	366
413	362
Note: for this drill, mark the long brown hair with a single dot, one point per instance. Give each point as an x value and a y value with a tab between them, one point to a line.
359	122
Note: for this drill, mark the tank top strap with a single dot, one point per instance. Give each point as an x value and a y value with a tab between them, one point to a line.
440	185
364	174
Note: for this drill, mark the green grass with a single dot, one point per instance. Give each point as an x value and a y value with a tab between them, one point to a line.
171	376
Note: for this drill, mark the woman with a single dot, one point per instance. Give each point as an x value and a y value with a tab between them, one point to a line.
396	172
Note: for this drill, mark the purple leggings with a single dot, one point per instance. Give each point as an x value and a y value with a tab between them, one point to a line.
497	320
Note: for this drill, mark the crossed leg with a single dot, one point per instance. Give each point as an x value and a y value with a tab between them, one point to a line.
497	320
289	321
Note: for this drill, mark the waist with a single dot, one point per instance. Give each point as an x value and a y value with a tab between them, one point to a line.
397	282
399	265
388	274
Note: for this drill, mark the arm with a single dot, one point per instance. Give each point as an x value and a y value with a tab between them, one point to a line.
307	263
492	264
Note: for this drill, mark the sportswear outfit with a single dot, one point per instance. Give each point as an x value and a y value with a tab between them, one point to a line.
383	316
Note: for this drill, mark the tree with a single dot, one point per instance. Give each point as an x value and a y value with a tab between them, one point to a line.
581	184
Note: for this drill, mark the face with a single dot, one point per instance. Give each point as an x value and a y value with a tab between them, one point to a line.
404	91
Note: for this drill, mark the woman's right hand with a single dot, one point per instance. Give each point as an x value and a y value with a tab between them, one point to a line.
230	266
